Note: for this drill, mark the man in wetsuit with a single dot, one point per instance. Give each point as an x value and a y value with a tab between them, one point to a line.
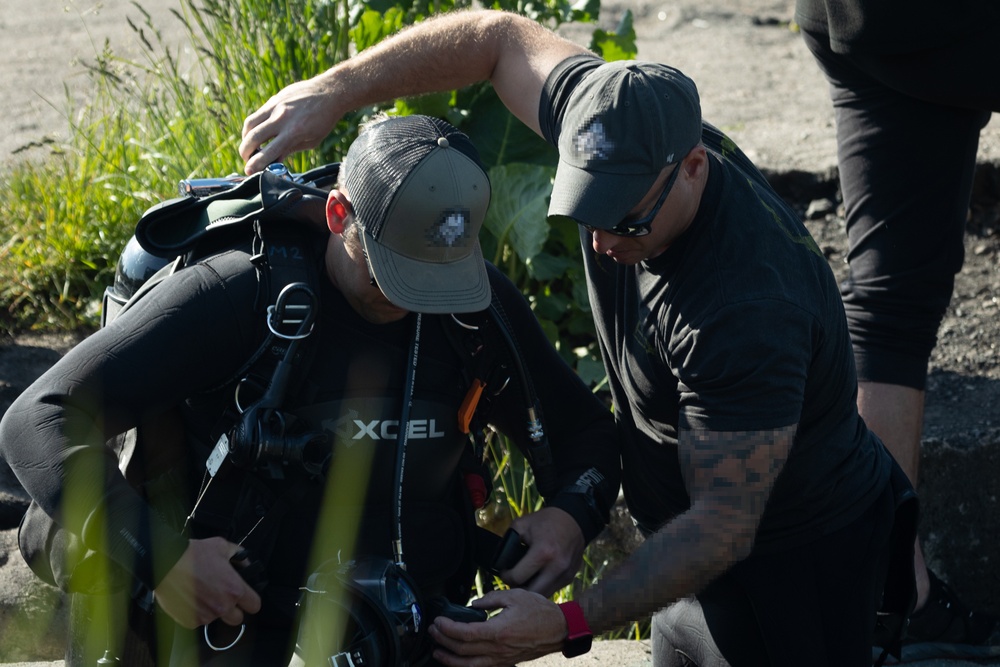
383	378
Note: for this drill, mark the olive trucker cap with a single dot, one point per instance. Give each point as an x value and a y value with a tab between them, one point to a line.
625	121
420	194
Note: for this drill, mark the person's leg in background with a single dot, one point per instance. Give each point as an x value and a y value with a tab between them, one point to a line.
906	171
906	198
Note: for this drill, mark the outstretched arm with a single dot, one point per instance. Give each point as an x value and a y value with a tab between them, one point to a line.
445	52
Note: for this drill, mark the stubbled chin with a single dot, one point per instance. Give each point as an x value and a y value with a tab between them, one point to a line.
395	314
385	314
624	258
631	258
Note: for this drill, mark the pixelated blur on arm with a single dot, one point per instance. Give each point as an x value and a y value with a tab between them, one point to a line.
729	477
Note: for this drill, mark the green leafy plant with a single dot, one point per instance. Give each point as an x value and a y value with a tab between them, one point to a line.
158	118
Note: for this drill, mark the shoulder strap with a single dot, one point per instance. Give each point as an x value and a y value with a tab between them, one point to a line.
486	343
288	272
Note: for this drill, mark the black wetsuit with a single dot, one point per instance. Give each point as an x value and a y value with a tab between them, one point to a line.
181	344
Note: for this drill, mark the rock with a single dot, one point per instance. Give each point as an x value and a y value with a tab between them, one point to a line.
32	614
819	208
22	360
959	519
13	500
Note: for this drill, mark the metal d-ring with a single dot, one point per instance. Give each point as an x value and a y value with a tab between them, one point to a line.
270	325
307	312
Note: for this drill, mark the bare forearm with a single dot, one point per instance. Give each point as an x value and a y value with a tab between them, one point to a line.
442	53
446	52
451	51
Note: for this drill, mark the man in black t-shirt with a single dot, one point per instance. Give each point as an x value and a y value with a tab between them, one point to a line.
912	85
767	503
382	395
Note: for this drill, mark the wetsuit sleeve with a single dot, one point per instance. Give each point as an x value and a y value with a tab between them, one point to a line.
580	428
186	334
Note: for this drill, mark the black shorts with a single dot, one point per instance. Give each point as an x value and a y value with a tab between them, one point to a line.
907	136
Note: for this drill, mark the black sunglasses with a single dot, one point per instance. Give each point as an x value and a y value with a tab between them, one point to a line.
643	225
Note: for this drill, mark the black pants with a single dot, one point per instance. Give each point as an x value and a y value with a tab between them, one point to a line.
812	605
907	134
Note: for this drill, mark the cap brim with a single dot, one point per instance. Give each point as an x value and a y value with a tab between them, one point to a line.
461	286
596	199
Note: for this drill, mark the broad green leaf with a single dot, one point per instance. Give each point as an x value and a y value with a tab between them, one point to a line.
590	370
545	267
500	137
617	45
439	105
518	207
373	26
551	306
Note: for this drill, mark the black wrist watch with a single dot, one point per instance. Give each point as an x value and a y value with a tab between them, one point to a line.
580	637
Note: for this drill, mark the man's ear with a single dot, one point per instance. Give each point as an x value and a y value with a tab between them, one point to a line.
337	209
695	161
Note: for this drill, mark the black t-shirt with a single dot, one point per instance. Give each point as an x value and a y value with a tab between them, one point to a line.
738	326
903	26
181	344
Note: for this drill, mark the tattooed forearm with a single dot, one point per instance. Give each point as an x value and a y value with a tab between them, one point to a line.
729	476
734	469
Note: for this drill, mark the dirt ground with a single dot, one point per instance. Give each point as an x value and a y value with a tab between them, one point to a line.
44	77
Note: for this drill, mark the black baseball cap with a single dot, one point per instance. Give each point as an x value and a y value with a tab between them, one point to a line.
420	194
625	121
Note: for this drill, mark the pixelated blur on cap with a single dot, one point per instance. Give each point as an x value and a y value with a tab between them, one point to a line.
625	122
420	194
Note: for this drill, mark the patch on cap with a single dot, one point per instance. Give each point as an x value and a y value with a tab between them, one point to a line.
625	121
420	194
